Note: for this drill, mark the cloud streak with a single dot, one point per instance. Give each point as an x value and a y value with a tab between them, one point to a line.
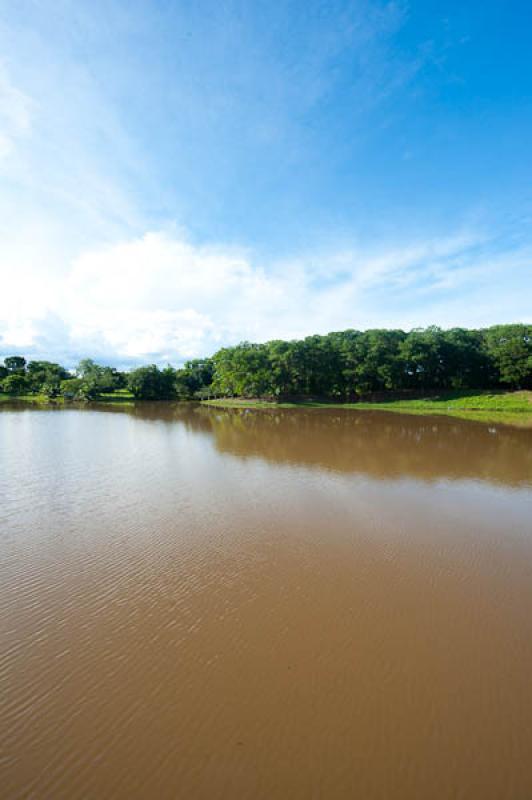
15	114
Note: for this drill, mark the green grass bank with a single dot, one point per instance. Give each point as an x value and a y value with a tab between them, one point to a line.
508	407
120	396
515	407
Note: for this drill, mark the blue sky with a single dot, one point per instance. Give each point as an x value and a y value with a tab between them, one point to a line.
177	176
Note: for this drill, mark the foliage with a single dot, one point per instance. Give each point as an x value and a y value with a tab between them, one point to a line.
340	367
15	383
76	389
350	364
98	379
45	377
15	364
510	351
194	378
152	383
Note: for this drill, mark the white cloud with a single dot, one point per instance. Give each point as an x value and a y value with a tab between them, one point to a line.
93	171
160	298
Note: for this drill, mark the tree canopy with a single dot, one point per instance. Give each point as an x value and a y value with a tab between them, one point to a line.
343	365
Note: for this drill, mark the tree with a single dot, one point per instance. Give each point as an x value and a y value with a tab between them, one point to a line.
284	372
242	370
378	366
423	354
151	383
76	389
467	362
195	377
100	379
509	348
87	368
342	364
46	376
15	364
15	384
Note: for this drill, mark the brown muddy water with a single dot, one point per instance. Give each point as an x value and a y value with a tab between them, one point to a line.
199	603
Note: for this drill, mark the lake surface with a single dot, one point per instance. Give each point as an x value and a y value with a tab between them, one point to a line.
197	603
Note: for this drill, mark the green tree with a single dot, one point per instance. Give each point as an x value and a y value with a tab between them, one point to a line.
15	384
76	389
194	378
15	364
45	376
509	348
100	379
467	362
151	383
423	355
342	364
378	365
243	371
284	373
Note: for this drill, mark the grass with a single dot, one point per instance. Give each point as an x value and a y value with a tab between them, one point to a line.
513	407
242	402
120	396
506	407
34	399
515	402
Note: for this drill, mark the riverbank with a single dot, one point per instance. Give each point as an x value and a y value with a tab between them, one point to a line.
122	396
513	407
503	407
33	399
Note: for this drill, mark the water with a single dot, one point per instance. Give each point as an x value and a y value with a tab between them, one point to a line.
199	603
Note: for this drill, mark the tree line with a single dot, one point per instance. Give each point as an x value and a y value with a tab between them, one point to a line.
341	366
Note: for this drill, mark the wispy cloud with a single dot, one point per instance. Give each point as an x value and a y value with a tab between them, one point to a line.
159	297
15	114
136	143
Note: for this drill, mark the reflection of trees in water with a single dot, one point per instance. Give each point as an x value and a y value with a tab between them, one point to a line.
158	411
377	443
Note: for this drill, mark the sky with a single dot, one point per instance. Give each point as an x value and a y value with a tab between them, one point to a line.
176	176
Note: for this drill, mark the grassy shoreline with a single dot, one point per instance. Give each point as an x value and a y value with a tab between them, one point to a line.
512	407
120	397
32	399
519	401
504	407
